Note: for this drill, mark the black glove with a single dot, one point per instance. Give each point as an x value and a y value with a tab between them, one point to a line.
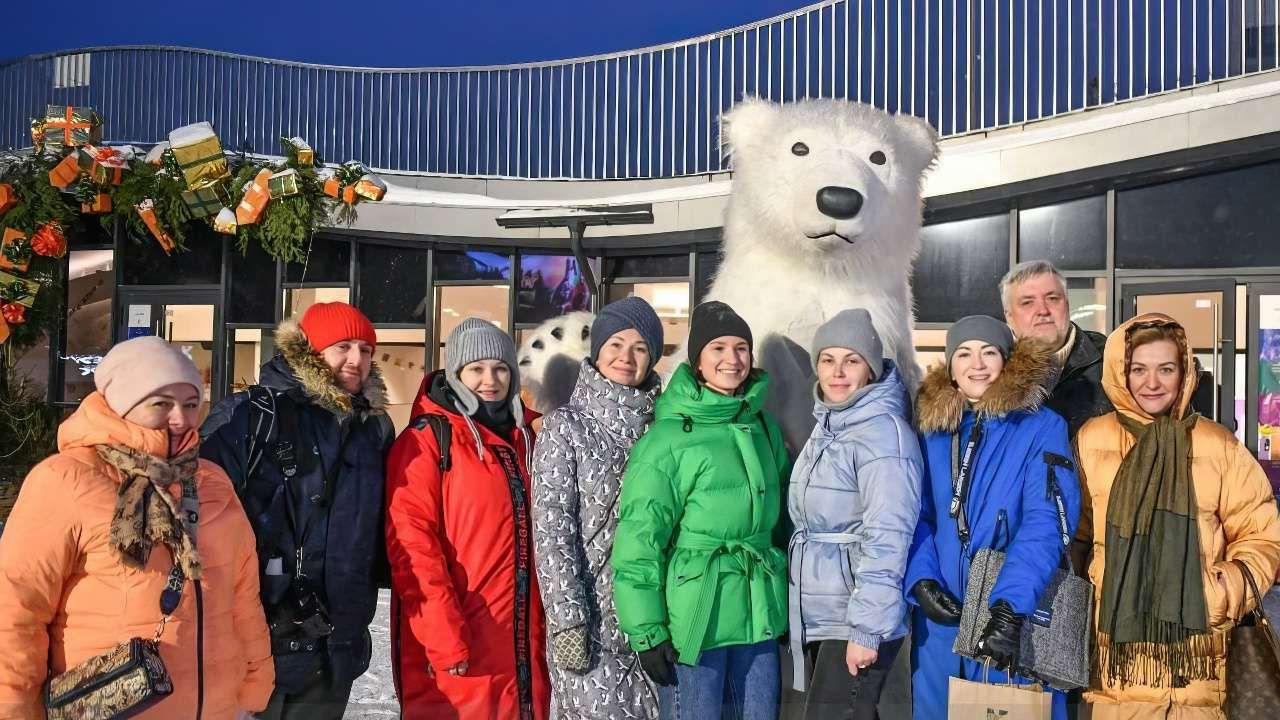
659	663
938	604
1002	636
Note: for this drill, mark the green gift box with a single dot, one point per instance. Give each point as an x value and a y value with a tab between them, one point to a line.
283	184
205	202
68	126
18	290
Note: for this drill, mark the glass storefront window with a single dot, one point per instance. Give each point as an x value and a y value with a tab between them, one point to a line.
958	270
1088	300
190	329
671	302
297	300
328	262
930	345
550	285
1226	219
252	286
455	303
1072	235
393	283
400	356
90	295
472	265
708	263
646	266
144	263
251	348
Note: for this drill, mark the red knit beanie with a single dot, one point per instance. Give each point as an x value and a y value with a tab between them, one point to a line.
327	323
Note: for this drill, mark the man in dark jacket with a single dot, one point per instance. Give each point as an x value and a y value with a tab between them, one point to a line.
306	450
1034	295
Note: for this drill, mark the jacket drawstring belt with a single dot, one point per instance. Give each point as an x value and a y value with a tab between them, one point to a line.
745	554
795	619
475	435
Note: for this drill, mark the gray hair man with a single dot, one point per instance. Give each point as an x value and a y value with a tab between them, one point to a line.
1034	296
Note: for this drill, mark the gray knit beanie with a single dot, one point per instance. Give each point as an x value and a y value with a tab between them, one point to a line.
979	327
475	339
629	313
854	330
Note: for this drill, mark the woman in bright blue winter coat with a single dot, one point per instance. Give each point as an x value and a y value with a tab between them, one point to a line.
1012	463
854	499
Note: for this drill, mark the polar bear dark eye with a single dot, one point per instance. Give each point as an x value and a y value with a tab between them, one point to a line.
800	149
878	158
537	345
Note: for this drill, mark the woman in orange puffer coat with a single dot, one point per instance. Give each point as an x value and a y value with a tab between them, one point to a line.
80	573
1171	502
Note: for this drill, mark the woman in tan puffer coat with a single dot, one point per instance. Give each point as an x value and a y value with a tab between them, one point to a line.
1162	609
78	577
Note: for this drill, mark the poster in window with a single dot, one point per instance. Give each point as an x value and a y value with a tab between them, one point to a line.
1269	388
550	285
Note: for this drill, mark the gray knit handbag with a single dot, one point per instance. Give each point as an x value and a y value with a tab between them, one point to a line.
1055	638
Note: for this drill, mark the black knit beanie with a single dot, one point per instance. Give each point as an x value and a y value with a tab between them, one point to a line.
711	320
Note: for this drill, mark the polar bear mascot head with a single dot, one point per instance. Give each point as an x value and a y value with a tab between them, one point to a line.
549	359
824	215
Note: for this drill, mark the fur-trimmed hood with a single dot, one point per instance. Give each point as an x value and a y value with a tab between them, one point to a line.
940	405
306	375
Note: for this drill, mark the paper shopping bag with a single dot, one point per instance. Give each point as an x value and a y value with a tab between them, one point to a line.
970	700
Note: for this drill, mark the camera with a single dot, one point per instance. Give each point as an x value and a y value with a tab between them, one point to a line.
300	612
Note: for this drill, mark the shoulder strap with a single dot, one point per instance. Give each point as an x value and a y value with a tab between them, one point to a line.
262	427
443	431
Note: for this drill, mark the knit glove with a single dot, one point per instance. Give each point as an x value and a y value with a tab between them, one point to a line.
938	604
659	663
571	649
1002	636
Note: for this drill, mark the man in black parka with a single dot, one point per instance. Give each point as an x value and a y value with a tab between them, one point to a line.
306	449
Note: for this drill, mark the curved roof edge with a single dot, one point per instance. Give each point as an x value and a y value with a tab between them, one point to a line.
746	27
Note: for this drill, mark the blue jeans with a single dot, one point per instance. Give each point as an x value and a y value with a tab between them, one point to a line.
739	682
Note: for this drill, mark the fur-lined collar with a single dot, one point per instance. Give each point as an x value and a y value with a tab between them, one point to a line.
940	405
317	379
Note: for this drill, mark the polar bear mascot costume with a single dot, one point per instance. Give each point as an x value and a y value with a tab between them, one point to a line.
824	215
550	357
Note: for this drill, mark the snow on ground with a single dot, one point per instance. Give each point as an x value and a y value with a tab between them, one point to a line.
374	694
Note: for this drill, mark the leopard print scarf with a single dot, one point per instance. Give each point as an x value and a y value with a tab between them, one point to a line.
146	514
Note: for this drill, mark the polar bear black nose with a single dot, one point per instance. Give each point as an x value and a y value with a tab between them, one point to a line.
840	203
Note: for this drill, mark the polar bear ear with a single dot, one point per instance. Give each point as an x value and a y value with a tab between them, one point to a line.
746	123
921	140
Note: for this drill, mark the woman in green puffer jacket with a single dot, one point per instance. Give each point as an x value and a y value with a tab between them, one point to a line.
699	586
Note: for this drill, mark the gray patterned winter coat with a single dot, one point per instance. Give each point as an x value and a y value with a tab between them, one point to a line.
577	476
854	498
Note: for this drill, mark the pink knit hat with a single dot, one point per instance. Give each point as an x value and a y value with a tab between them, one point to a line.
136	368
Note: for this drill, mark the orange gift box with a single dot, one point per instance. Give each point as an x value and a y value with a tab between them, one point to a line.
255	199
147	211
65	172
100	205
8	198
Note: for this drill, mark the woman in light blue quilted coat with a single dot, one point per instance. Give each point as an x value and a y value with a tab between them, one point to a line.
854	499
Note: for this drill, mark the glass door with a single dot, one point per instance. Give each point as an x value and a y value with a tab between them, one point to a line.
1263	368
1207	310
188	319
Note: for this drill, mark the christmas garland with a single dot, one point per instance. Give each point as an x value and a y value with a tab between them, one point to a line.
279	205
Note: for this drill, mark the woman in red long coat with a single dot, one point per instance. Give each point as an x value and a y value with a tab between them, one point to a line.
467	620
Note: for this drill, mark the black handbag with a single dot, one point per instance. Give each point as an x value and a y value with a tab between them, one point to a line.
122	682
1253	662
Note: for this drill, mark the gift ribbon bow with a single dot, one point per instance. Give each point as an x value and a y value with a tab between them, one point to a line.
15	291
110	157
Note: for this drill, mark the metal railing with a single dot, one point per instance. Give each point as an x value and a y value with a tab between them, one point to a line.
965	65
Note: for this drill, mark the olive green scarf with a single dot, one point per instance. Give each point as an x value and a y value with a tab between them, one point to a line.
1153	616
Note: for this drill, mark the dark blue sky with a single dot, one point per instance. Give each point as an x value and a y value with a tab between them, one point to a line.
391	33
